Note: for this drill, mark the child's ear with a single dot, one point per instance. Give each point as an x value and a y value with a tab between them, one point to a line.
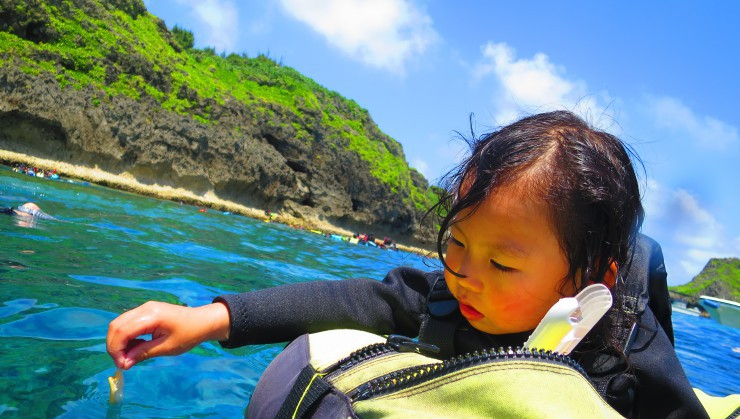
610	276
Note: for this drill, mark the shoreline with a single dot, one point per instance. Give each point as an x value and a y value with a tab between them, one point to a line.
209	200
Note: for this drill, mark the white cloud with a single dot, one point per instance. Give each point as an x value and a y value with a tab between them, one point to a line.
654	201
685	209
382	33
220	18
689	234
672	114
534	84
421	166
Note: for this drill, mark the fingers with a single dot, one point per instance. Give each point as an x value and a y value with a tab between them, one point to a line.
128	360
141	350
174	329
124	331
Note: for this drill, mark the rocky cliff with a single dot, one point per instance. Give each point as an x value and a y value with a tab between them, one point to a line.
720	278
105	84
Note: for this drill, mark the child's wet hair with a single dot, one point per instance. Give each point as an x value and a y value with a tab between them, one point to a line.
584	175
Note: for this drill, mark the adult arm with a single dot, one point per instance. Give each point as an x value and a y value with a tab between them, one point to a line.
279	314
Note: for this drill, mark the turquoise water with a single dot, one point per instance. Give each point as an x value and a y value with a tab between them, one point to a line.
61	282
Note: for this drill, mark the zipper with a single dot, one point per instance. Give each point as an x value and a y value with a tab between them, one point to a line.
408	377
394	344
735	414
361	355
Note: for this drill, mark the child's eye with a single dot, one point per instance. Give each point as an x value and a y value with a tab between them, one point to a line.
501	267
456	242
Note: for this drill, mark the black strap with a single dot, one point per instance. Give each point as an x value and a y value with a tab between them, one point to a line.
308	388
440	301
441	324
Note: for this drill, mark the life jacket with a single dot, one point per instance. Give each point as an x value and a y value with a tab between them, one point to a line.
351	374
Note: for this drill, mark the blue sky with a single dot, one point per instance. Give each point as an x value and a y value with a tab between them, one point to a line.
662	76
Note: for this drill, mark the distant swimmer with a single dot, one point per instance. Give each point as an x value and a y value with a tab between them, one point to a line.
27	210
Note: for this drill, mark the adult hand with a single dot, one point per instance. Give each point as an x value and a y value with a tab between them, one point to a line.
174	329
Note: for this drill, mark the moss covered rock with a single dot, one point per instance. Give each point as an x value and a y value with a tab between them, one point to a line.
106	84
720	278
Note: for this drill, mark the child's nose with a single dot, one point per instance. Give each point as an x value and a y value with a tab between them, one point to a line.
471	277
471	283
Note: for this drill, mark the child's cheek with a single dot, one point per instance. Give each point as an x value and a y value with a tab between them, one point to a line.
521	311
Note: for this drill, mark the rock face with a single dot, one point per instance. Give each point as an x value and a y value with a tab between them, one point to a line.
262	167
720	278
241	154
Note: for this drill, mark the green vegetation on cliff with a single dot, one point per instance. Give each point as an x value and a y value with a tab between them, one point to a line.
118	48
719	278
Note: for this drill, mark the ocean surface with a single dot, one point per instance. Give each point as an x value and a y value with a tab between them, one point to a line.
62	281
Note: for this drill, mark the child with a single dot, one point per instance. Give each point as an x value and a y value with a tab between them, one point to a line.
541	208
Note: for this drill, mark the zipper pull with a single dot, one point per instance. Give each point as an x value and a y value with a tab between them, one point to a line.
406	344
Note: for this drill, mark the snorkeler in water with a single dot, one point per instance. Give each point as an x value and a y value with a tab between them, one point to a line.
27	210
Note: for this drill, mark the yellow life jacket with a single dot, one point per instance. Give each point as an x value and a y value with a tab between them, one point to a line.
350	373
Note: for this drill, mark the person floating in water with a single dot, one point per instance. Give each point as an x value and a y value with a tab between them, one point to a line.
28	210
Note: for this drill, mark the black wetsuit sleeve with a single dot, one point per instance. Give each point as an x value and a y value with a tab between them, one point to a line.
663	390
660	300
280	314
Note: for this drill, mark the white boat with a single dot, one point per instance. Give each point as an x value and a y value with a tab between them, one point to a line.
726	312
681	307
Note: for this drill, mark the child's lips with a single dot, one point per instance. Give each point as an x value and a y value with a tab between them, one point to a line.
469	312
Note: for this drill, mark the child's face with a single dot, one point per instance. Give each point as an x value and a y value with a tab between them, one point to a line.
513	264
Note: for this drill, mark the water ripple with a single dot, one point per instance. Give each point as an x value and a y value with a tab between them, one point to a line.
72	323
189	292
